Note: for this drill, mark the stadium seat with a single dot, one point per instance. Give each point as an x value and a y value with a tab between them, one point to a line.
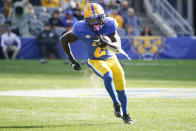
2	19
60	30
35	27
61	15
2	16
39	9
30	17
44	17
52	10
9	18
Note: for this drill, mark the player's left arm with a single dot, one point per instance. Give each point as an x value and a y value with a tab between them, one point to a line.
115	43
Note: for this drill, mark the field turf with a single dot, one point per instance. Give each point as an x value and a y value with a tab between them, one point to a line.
95	114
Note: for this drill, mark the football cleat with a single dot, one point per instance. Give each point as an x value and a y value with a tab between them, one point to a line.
94	16
118	110
127	119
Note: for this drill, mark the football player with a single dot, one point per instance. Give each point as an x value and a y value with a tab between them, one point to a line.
101	57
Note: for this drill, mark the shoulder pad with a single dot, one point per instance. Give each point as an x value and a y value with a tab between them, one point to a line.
108	21
110	25
79	27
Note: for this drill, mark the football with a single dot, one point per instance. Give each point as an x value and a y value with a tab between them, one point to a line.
106	38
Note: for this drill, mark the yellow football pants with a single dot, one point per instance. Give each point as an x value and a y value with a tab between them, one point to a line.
112	65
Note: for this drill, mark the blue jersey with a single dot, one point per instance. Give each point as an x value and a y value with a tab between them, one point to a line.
84	33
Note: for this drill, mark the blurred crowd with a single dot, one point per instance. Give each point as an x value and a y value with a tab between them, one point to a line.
48	19
28	17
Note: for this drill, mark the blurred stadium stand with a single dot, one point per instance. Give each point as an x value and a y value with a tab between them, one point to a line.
167	18
52	10
172	20
2	19
35	27
148	21
61	15
31	17
44	17
60	30
39	9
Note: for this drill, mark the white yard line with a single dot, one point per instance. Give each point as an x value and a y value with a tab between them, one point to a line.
98	93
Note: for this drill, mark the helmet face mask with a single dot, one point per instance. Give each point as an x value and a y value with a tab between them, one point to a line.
94	22
94	16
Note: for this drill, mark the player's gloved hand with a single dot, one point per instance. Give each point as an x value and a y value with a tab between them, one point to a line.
100	42
75	65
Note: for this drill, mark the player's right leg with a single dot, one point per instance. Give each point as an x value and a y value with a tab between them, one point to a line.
119	82
101	69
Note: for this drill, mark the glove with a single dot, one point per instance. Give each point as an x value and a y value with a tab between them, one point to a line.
75	65
100	42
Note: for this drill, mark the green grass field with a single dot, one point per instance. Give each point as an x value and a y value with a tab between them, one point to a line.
95	114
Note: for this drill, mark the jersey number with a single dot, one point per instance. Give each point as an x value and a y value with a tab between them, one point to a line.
99	52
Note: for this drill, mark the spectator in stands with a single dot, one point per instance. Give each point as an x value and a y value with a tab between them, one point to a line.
7	8
102	3
130	31
132	20
28	7
108	10
47	40
55	20
10	42
50	3
77	12
69	4
113	4
83	3
146	31
67	28
35	2
19	21
107	1
69	19
118	18
123	9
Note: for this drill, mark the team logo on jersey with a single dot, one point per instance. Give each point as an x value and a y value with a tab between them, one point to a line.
147	48
88	36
